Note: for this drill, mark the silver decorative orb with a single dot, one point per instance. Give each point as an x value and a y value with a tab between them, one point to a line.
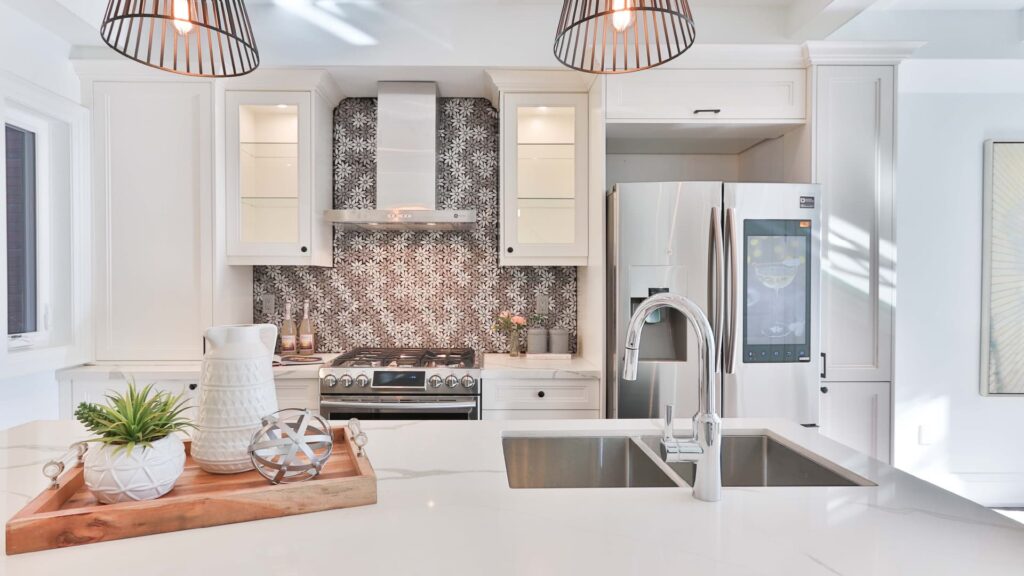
291	446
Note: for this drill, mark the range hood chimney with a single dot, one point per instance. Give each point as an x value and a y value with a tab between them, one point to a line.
406	166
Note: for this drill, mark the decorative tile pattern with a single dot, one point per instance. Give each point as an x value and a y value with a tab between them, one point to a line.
417	288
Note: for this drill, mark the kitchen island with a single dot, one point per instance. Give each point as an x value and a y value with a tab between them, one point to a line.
445	507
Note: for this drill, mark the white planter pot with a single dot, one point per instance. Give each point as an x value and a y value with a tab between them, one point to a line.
142	473
236	391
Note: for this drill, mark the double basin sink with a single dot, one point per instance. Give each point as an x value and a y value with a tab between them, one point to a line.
634	462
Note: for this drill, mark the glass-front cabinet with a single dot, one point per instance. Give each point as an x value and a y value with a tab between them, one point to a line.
544	179
271	201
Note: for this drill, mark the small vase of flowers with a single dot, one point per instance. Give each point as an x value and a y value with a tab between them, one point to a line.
136	452
510	324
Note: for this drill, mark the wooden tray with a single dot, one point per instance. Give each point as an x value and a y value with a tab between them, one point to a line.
70	516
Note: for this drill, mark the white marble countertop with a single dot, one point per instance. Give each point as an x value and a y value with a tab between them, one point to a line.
504	366
444	507
178	370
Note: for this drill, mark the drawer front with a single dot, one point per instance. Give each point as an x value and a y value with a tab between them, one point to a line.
302	394
541	395
541	414
694	95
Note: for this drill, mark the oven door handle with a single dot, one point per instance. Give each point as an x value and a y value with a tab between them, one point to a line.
397	405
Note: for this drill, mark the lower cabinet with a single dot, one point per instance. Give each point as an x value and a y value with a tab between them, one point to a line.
527	399
302	393
858	414
74	392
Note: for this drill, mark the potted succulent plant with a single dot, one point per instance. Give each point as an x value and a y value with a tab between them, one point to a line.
136	452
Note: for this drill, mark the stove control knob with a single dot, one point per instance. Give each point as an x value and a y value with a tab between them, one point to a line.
331	380
435	381
468	381
451	381
345	380
362	381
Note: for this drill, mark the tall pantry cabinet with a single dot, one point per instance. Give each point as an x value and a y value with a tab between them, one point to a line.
853	147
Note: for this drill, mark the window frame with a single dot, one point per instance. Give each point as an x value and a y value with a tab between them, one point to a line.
40	127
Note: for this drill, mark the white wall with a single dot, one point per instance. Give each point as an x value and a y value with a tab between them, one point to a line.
33	54
945	431
671	167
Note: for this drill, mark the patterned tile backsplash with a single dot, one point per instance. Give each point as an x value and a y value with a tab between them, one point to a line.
417	288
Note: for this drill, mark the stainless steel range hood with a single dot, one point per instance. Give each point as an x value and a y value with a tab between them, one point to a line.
406	165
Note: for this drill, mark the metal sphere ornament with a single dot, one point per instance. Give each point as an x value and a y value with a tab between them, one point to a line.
291	446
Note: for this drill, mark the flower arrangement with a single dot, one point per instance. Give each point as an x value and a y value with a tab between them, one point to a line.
510	324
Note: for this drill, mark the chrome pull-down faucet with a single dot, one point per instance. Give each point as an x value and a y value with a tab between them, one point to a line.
704	447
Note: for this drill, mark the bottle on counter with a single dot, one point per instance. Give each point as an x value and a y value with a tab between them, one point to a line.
289	334
306	342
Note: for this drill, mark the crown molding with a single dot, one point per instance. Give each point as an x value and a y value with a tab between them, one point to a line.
554	80
860	53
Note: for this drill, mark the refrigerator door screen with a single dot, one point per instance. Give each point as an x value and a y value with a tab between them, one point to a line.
777	295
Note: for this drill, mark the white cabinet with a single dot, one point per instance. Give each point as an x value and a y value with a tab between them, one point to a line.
853	162
708	96
75	391
525	398
544	186
152	189
302	393
858	414
278	182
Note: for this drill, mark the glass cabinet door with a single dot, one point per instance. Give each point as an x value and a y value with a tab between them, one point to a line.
268	173
545	185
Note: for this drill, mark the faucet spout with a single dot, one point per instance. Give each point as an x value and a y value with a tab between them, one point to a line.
704	447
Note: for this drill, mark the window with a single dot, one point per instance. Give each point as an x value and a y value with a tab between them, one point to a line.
21	230
24	160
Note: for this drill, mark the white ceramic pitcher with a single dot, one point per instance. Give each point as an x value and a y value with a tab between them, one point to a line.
236	390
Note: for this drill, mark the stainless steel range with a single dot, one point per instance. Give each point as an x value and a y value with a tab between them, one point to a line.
401	384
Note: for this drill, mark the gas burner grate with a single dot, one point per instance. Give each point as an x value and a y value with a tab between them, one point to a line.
407	358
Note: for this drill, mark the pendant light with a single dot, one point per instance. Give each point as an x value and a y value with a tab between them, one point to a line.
211	38
618	36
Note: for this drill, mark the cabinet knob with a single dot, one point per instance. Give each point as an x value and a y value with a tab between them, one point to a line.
540	394
193	386
824	389
509	250
304	249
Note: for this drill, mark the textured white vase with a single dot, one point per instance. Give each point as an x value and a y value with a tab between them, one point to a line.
142	473
236	390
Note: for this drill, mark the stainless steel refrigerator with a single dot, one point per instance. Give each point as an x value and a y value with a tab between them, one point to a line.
749	254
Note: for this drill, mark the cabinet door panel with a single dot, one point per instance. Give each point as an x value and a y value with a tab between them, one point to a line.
541	394
153	183
854	165
691	95
541	414
544	186
858	414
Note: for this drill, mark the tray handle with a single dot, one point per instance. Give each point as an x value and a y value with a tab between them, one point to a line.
355	429
54	468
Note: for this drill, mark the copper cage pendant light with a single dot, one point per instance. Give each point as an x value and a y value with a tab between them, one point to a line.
211	38
618	36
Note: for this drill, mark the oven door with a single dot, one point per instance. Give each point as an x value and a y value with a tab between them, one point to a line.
396	407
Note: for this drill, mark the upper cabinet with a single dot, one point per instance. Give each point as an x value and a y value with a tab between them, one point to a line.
544	184
278	180
774	95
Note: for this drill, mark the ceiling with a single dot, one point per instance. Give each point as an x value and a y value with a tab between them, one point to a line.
453	34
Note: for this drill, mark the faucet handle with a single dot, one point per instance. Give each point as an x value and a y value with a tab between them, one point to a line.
669	431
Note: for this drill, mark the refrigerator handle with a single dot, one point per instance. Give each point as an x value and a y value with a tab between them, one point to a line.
716	284
732	305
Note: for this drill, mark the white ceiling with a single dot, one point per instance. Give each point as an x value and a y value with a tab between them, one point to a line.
948	5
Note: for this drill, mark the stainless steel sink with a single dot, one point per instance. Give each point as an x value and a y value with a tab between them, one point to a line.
632	462
764	461
581	462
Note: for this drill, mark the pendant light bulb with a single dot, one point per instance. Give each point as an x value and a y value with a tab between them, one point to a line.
622	14
181	17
